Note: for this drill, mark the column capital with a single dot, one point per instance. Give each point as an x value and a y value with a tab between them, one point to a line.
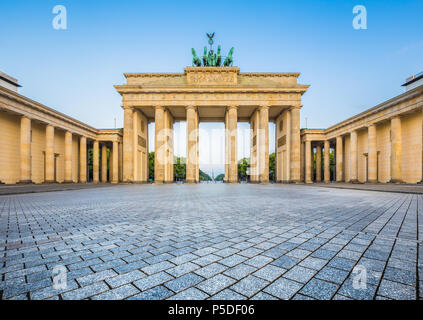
190	106
159	106
295	107
232	106
128	108
264	107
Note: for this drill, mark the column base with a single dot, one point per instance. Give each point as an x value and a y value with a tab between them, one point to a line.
372	181
68	181
355	181
192	181
327	181
50	182
295	182
25	182
318	180
309	182
82	181
398	181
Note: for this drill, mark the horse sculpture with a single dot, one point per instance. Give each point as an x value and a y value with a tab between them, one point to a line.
229	60
211	59
195	59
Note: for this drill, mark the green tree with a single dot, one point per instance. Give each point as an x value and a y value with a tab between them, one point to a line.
243	166
151	166
204	176
272	167
179	169
220	177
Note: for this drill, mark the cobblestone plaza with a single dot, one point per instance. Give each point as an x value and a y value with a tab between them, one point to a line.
212	242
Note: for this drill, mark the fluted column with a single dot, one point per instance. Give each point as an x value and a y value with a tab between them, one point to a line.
372	154
68	157
263	145
192	145
50	178
160	149
308	169
353	157
318	163
83	160
103	163
128	145
232	112
96	162
326	160
25	150
339	159
295	145
115	173
396	150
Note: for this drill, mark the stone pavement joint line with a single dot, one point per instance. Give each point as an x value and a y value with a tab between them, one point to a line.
211	242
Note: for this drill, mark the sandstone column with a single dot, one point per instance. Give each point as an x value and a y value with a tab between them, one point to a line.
128	145
326	160
159	145
396	150
103	163
68	157
353	157
339	159
115	173
232	112
302	162
50	154
263	145
319	163
308	157
83	160
96	162
25	150
192	146
226	178
110	163
372	154
295	145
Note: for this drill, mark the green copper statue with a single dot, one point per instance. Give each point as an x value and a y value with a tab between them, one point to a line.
229	60
195	60
211	59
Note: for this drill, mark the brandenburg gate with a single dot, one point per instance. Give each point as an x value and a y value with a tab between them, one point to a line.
211	94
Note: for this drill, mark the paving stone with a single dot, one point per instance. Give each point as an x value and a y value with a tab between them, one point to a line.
263	296
183	282
365	293
117	293
396	290
190	294
299	274
259	261
240	271
269	272
215	284
211	270
152	281
95	277
319	289
285	262
157	293
85	292
182	269
154	268
125	278
249	286
283	288
228	294
332	275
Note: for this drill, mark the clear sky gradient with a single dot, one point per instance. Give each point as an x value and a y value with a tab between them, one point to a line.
74	71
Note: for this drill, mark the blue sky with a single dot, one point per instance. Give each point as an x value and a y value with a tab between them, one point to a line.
74	70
